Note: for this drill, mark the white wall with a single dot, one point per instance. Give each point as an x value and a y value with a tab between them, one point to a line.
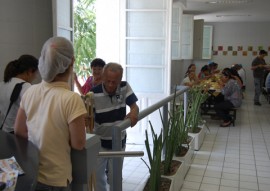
25	26
239	34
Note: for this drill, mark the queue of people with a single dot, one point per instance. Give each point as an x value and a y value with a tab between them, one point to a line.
52	116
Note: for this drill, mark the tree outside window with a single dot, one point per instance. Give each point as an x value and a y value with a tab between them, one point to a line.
84	36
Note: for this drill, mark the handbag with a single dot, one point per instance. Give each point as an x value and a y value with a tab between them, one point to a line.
14	96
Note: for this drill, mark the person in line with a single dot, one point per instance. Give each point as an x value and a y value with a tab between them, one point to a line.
110	100
190	80
23	69
52	116
258	67
231	91
96	66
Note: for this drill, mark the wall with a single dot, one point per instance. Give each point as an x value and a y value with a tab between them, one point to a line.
238	43
179	68
25	26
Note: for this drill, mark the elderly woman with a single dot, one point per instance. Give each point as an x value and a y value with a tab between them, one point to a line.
232	97
52	116
97	67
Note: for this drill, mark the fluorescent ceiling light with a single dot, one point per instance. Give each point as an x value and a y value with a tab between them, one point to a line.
233	15
230	1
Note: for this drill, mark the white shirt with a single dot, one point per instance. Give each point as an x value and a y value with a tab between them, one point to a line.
186	80
5	93
242	74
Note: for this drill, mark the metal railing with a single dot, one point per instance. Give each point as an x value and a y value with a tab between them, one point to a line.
114	154
116	184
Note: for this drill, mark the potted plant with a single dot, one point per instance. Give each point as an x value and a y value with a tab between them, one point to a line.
168	168
185	143
197	96
154	181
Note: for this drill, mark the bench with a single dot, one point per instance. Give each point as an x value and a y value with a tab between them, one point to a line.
209	110
233	115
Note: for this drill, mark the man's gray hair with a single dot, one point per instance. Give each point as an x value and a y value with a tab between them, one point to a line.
115	67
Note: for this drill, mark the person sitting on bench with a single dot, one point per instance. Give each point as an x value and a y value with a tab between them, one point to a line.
232	97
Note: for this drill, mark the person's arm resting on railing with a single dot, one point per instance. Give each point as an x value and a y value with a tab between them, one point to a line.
133	114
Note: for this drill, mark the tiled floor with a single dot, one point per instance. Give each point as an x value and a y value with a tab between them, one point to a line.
230	159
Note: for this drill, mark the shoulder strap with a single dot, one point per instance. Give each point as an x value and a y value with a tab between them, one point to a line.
14	96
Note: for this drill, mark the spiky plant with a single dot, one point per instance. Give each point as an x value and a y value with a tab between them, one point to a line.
197	96
154	159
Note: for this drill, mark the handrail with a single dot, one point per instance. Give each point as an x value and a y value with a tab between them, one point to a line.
116	182
112	154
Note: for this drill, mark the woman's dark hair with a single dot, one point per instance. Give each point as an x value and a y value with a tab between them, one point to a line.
213	64
19	66
227	72
235	73
262	52
204	68
188	69
230	73
97	62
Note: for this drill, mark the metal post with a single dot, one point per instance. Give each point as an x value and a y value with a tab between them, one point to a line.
185	105
116	182
165	122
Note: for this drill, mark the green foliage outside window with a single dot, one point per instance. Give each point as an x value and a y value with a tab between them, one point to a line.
84	36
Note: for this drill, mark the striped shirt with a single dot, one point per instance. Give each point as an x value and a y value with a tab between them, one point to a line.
111	109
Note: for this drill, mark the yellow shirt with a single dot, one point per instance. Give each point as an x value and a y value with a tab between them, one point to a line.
49	108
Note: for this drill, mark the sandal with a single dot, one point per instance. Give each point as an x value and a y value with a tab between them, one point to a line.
226	124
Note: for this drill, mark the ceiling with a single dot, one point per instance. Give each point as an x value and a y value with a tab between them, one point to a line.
229	10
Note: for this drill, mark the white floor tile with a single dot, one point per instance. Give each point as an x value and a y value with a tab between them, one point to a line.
193	178
248	185
231	170
211	173
230	176
231	183
264	187
211	180
246	178
209	187
191	185
227	188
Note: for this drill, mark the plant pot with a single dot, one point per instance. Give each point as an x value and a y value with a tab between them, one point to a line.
187	158
177	180
198	137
